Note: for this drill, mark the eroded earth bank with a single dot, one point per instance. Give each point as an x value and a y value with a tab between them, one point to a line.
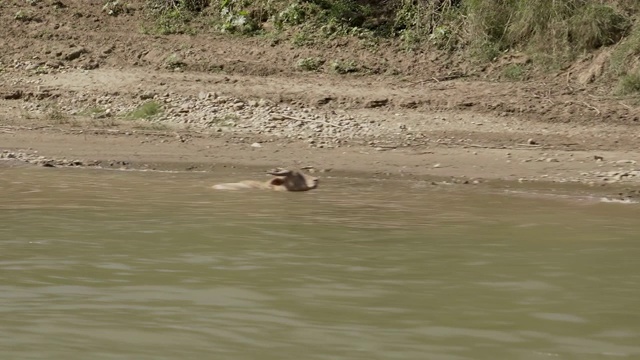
92	90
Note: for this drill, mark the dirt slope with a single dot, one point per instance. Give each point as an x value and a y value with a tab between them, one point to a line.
419	113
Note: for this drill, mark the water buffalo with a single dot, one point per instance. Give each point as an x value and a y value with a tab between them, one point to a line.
283	180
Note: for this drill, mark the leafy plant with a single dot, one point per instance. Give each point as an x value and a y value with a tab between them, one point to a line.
302	38
409	39
294	14
173	16
236	19
344	67
181	5
173	21
310	63
24	16
174	62
115	8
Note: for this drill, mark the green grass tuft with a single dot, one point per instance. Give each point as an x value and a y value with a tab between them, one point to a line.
625	51
629	84
514	72
552	32
145	111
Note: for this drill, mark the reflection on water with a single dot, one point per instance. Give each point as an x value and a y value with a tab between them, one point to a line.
132	265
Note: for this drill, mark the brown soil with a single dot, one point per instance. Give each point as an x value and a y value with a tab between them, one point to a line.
562	127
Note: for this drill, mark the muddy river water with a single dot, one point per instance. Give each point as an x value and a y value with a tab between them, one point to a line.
98	264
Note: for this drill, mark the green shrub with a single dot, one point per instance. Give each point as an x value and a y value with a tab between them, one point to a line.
174	61
488	21
174	16
625	51
597	25
235	18
302	38
344	67
294	14
182	5
172	21
553	31
417	22
629	84
348	12
24	16
115	8
310	64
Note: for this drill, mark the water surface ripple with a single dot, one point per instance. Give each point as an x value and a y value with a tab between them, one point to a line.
134	265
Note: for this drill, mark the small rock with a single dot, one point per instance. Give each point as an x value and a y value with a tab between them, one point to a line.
238	106
15	95
90	65
203	95
409	104
376	103
531	142
147	95
598	158
75	54
324	100
32	66
54	64
107	50
621	176
437	166
256	145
